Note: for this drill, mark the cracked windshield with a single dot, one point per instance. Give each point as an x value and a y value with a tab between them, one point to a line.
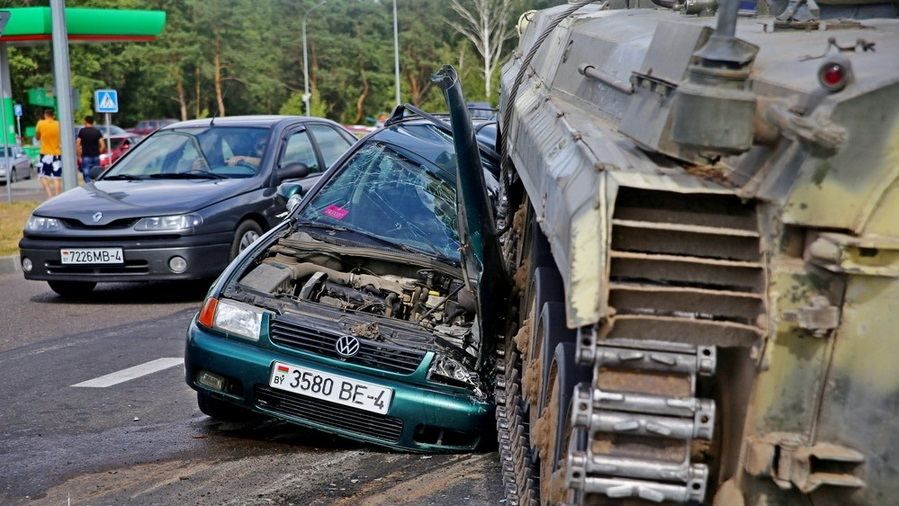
386	195
201	153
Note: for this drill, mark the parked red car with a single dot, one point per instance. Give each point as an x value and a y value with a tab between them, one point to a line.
118	145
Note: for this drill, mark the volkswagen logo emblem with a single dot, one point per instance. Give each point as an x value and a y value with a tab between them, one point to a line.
97	217
347	346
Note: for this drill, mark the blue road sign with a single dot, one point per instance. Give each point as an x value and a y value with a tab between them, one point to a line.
106	101
17	110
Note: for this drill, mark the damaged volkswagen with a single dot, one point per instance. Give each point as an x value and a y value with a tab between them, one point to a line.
353	316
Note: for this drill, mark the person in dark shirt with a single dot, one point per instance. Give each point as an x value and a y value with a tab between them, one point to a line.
89	144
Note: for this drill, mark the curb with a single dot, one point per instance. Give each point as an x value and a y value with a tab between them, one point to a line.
10	264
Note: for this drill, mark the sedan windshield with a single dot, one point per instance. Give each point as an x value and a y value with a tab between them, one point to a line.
202	152
383	194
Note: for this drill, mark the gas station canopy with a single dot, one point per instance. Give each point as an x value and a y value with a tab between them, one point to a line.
32	24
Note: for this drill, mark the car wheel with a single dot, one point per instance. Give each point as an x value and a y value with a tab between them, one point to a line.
72	288
221	410
247	232
13	177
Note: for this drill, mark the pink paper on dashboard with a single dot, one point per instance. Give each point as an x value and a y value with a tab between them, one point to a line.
336	212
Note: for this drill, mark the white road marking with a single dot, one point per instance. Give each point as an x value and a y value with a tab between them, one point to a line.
131	373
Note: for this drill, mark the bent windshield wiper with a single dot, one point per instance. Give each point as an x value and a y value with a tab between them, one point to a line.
368	235
194	174
121	177
318	224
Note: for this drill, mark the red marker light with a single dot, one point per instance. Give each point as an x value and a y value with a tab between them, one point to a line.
207	314
833	76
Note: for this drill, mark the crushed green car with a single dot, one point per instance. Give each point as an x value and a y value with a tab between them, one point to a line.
354	315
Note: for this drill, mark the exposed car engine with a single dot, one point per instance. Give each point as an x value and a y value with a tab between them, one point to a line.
430	297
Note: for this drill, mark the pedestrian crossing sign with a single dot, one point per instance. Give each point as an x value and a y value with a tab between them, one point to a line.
106	101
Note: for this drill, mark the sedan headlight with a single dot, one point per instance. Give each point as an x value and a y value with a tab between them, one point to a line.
451	372
232	317
41	224
169	223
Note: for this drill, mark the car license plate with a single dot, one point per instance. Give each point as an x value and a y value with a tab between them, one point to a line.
331	388
91	256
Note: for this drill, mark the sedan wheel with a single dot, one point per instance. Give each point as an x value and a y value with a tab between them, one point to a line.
248	238
13	177
247	232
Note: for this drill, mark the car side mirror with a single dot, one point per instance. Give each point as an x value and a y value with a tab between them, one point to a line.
290	194
96	171
293	171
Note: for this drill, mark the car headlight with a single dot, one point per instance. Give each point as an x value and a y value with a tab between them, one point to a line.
41	224
232	317
451	372
169	223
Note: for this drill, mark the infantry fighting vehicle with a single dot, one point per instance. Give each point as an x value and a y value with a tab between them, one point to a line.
702	242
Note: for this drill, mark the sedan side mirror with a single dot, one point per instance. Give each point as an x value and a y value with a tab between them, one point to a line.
288	192
293	171
96	171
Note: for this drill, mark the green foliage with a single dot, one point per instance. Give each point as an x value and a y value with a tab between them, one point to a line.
250	53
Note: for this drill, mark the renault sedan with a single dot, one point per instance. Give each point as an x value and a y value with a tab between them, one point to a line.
180	204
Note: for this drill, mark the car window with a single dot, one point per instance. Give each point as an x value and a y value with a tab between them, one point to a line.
299	150
196	152
330	143
384	194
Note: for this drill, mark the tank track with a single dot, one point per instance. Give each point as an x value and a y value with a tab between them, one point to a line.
520	474
633	444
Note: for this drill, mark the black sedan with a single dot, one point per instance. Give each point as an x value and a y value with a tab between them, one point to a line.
179	205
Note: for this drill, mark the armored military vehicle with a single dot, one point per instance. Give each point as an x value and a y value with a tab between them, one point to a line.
701	208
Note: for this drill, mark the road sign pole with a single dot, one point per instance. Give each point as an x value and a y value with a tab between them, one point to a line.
108	145
63	92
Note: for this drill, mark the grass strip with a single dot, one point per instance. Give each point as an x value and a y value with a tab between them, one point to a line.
12	221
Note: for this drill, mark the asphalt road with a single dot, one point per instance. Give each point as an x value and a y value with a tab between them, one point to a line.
26	189
143	441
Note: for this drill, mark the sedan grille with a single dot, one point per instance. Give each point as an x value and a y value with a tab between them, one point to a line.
371	353
134	267
115	224
387	428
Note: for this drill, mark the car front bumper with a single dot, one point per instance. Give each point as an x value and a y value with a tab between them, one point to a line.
420	418
143	260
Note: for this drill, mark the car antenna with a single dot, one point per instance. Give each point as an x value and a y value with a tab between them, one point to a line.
212	121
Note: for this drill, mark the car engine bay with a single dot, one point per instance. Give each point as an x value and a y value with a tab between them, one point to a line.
298	270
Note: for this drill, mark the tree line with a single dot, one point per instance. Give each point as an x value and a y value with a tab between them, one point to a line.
230	57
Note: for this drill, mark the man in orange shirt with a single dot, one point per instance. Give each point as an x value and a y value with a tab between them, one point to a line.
50	172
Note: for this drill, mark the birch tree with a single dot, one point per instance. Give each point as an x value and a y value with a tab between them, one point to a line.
486	24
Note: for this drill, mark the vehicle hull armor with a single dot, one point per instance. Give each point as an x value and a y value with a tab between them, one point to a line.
727	251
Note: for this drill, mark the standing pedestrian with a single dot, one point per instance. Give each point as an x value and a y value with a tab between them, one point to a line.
47	132
88	145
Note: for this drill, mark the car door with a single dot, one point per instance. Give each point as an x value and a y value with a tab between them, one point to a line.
331	142
298	148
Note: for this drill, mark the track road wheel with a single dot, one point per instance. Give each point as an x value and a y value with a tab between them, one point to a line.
221	410
72	288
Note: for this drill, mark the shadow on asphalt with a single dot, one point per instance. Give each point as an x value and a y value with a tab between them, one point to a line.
288	436
291	437
168	292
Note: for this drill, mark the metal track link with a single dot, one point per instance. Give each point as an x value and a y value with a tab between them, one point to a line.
640	417
516	456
